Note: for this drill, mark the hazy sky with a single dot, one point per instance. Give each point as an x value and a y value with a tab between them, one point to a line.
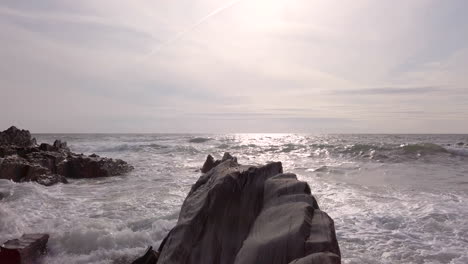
234	66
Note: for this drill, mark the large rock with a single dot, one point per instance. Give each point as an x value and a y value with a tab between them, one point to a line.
17	137
22	160
250	215
25	250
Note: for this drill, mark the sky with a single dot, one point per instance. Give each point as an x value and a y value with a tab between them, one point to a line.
163	66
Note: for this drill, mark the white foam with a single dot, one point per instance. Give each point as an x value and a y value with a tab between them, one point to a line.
408	211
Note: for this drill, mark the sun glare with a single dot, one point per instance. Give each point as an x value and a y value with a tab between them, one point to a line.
261	13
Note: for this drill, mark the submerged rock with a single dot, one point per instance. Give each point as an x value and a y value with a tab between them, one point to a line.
25	250
199	140
21	160
250	215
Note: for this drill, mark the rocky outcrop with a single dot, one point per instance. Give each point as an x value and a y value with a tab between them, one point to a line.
18	169
25	250
93	166
238	214
21	160
17	137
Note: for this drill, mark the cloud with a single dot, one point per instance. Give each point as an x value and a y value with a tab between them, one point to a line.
391	90
277	65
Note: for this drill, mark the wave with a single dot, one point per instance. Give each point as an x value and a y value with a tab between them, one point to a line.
392	152
223	146
363	148
128	147
423	148
199	140
458	151
291	147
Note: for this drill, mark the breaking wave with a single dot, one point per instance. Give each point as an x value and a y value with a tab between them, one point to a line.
199	140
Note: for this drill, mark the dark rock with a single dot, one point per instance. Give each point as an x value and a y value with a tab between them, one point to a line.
17	137
150	257
21	160
228	156
250	215
210	162
319	258
82	166
50	179
460	144
59	145
18	169
47	159
47	147
7	150
25	250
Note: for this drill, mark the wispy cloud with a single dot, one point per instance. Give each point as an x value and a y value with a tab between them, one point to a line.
275	65
391	90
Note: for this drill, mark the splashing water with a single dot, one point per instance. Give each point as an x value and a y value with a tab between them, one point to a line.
394	198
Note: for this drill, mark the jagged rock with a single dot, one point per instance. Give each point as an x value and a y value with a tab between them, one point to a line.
25	250
18	169
82	166
21	160
250	215
59	145
47	159
150	257
17	137
50	179
210	162
460	144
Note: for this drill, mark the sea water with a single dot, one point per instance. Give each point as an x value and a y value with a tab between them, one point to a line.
394	198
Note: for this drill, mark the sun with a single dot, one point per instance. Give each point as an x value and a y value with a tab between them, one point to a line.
260	13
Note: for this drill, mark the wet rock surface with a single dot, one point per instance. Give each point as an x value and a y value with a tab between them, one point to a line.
250	215
24	250
22	160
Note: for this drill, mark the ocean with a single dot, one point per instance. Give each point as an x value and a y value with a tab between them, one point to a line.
394	198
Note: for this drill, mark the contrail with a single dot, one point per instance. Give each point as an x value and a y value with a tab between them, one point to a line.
194	26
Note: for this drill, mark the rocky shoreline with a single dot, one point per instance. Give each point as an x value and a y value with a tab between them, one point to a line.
23	160
233	214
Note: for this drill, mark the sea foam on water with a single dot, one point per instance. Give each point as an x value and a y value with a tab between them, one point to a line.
394	198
